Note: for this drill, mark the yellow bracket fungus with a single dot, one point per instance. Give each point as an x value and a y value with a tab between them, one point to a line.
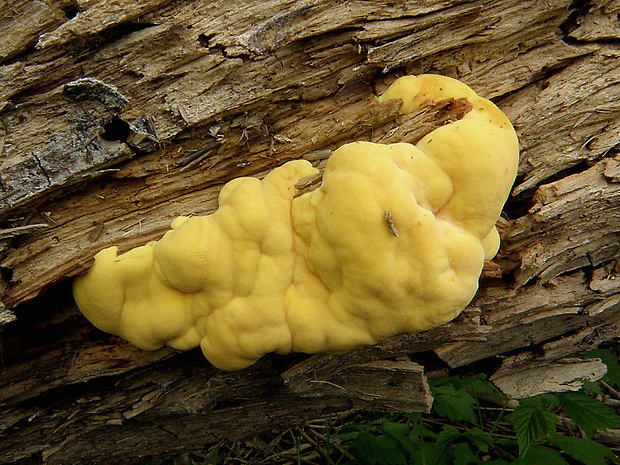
393	241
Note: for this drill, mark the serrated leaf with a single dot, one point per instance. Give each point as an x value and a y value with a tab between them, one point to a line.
427	453
611	360
398	431
456	405
463	455
538	455
448	435
478	385
421	431
586	451
414	417
590	414
483	441
531	424
591	387
349	432
444	381
377	450
541	402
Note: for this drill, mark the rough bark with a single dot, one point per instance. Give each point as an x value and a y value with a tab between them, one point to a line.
118	116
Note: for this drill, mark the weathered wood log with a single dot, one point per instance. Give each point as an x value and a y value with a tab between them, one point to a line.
118	116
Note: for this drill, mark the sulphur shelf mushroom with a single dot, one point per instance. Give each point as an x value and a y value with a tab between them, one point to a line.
392	241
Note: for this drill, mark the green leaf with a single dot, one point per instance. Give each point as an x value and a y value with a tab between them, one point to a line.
591	387
586	451
590	414
448	435
541	402
506	443
531	424
538	455
421	431
377	450
483	441
427	453
398	431
349	432
444	381
456	405
478	385
414	417
611	360
463	455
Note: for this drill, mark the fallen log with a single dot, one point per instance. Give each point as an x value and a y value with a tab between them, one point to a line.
116	117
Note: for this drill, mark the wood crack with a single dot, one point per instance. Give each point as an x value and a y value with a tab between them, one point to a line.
42	168
21	230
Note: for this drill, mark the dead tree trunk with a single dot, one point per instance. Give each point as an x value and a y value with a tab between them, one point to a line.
118	116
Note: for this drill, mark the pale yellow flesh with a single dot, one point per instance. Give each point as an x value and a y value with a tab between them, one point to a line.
392	241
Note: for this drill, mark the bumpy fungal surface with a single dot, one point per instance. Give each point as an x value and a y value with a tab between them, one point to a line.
393	241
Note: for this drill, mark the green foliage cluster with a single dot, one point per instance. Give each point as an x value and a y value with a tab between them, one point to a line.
463	431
